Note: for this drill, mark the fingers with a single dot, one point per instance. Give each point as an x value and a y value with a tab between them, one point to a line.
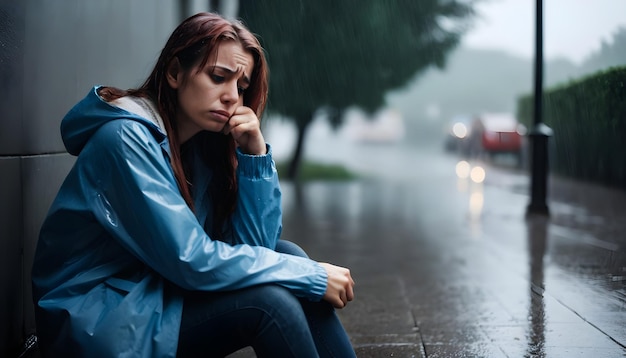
245	128
339	290
350	292
337	303
243	116
344	298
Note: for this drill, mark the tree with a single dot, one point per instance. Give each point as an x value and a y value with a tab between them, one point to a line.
609	55
333	54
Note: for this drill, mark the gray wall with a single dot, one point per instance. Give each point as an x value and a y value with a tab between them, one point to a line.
51	53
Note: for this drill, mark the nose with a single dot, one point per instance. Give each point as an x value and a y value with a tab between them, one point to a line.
231	92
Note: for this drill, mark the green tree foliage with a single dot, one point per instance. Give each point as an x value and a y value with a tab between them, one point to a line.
333	54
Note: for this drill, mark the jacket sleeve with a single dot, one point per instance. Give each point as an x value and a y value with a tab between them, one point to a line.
136	199
258	216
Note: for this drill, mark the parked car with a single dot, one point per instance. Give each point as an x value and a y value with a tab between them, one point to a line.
495	133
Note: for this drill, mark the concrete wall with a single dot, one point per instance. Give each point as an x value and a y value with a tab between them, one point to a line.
51	54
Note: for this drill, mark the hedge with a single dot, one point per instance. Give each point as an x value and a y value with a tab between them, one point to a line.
588	117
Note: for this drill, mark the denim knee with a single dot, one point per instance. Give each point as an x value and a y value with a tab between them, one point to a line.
291	248
272	298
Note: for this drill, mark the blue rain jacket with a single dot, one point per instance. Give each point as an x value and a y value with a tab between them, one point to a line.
119	242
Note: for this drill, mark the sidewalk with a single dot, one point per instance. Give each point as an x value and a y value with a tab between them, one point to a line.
446	268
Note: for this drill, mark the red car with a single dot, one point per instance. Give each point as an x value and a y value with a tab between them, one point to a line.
495	133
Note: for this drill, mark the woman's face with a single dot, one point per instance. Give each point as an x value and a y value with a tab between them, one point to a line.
208	98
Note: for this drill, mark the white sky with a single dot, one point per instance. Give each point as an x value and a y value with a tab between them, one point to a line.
571	28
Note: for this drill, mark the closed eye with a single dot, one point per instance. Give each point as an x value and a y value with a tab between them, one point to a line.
218	78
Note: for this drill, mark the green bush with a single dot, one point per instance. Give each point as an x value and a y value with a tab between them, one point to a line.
588	117
310	171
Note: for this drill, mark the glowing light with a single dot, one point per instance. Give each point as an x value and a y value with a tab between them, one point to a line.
459	130
462	169
476	203
477	174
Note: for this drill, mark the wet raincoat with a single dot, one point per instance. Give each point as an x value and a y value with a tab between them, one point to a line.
119	242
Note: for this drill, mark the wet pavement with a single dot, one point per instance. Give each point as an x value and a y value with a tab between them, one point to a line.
448	267
447	262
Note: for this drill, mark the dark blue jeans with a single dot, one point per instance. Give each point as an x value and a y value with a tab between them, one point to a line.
269	318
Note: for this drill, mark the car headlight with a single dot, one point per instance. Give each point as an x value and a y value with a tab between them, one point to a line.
459	130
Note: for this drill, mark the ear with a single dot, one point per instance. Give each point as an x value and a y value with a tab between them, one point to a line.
174	74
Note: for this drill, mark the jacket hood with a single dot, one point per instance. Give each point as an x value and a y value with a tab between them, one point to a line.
88	115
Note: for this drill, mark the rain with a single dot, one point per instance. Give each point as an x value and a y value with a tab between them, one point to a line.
413	157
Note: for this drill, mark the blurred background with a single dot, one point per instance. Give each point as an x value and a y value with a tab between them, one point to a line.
395	91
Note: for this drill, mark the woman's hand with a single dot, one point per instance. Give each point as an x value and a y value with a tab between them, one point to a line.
339	290
245	128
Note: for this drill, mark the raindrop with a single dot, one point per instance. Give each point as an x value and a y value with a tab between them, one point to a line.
105	207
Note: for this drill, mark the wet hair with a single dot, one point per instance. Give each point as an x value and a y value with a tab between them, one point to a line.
192	43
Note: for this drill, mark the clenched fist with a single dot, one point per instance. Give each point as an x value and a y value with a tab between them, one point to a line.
340	287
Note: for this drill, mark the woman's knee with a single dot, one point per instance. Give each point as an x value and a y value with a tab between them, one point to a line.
268	303
274	298
268	317
291	248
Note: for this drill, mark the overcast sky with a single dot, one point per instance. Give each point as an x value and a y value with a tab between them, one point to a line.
572	28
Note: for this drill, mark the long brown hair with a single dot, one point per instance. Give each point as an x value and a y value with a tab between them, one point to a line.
192	43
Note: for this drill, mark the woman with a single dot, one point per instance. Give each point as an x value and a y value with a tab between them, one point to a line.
164	238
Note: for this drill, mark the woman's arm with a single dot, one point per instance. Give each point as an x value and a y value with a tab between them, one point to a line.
257	219
136	199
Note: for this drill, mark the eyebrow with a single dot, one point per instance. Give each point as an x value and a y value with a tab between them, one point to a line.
245	78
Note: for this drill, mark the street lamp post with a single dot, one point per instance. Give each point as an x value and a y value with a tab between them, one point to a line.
540	132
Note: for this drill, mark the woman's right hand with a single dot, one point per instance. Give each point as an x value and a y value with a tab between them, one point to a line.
339	290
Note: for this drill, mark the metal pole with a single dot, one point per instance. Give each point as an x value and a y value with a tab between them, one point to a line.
538	62
540	132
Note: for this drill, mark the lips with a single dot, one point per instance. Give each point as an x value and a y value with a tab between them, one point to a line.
221	115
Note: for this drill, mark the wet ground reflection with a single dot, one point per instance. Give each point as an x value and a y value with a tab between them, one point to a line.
478	277
537	236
